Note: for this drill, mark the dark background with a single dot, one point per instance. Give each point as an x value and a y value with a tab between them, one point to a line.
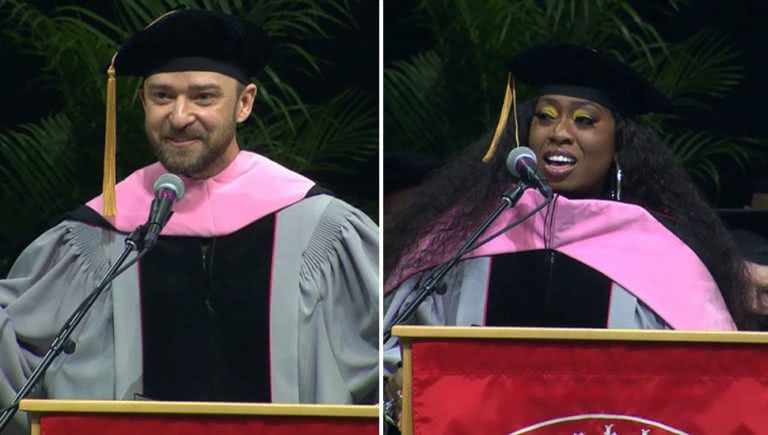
743	113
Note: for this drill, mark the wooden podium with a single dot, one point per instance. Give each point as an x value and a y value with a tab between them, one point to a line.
582	381
87	417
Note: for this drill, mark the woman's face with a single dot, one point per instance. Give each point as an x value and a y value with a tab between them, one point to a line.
574	142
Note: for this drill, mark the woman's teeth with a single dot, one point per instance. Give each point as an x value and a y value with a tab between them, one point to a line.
560	160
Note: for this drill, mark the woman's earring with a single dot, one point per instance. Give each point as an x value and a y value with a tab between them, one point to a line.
618	175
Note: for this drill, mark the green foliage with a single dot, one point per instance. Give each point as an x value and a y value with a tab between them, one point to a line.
37	181
410	89
320	141
696	150
450	93
37	173
76	44
704	65
694	75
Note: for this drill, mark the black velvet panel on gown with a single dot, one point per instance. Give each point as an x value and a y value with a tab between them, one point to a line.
205	316
544	288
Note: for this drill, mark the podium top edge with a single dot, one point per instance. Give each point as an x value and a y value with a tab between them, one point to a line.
200	408
408	333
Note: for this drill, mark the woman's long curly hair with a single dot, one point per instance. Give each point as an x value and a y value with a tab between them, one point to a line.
455	199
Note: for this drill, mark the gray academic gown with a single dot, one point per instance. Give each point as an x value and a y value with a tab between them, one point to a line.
323	312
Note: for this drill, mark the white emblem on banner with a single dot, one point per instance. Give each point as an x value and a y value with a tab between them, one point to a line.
612	428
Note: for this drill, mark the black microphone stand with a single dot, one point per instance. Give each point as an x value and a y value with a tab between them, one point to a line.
508	199
62	343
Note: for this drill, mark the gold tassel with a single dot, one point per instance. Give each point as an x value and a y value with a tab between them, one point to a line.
109	196
514	113
110	145
509	100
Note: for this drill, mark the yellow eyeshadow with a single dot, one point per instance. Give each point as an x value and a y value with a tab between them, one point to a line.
581	113
549	111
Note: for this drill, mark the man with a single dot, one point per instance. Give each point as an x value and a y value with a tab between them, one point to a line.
261	288
749	230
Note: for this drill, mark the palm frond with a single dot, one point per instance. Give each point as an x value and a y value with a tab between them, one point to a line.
74	51
74	14
301	19
37	162
342	131
330	139
703	65
341	135
411	90
697	151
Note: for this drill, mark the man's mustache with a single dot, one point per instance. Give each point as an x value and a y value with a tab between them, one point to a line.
181	135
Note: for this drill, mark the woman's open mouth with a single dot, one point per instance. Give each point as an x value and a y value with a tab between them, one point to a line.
558	163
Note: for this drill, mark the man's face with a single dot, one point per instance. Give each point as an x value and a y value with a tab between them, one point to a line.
190	119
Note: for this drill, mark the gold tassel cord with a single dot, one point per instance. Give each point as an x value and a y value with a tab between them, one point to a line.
109	208
109	197
160	18
110	145
514	113
508	101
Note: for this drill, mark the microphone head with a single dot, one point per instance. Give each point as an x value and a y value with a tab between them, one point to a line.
170	182
516	156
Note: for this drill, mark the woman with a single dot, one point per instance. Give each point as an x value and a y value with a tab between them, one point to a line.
628	242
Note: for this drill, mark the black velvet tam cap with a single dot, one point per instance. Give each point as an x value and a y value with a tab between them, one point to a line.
195	40
581	72
563	69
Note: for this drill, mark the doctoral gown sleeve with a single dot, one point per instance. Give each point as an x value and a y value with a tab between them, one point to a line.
339	284
44	286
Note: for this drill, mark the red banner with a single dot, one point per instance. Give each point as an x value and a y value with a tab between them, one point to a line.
590	387
126	424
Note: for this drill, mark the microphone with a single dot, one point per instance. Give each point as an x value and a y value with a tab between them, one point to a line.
168	189
521	162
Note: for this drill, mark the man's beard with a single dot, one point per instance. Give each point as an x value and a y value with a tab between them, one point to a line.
192	160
